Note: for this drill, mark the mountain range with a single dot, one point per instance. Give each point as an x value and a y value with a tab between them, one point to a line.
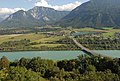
37	16
94	13
1	19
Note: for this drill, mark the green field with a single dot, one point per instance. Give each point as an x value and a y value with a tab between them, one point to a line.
44	41
41	39
32	37
48	45
107	32
111	32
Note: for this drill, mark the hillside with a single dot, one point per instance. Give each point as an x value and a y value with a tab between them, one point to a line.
1	19
19	19
47	15
37	16
94	13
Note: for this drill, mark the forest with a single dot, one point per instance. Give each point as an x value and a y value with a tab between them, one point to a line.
84	68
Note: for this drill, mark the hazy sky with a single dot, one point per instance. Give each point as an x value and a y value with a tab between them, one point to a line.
11	6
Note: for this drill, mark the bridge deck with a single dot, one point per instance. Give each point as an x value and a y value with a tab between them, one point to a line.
86	50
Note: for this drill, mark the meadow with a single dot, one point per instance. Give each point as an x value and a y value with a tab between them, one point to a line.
52	40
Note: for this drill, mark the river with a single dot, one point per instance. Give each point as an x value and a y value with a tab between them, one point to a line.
55	55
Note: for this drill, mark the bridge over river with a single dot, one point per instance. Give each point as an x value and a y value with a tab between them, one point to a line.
86	50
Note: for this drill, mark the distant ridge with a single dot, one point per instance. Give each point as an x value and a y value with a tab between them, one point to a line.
94	13
37	16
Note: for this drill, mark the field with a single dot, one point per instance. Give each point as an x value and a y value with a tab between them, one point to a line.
13	37
53	40
106	32
37	38
111	32
48	45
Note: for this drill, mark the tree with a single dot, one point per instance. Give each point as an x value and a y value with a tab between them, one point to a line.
22	74
4	63
23	62
40	65
91	68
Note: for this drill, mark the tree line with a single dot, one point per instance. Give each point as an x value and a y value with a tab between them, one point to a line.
84	68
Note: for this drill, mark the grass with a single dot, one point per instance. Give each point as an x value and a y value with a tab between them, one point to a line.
42	79
105	28
33	38
85	29
110	33
47	45
42	38
107	32
49	39
88	30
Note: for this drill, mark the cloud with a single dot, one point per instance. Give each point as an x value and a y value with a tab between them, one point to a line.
5	12
42	3
9	10
66	7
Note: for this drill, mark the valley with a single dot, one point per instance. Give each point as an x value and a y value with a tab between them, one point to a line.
60	40
50	38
